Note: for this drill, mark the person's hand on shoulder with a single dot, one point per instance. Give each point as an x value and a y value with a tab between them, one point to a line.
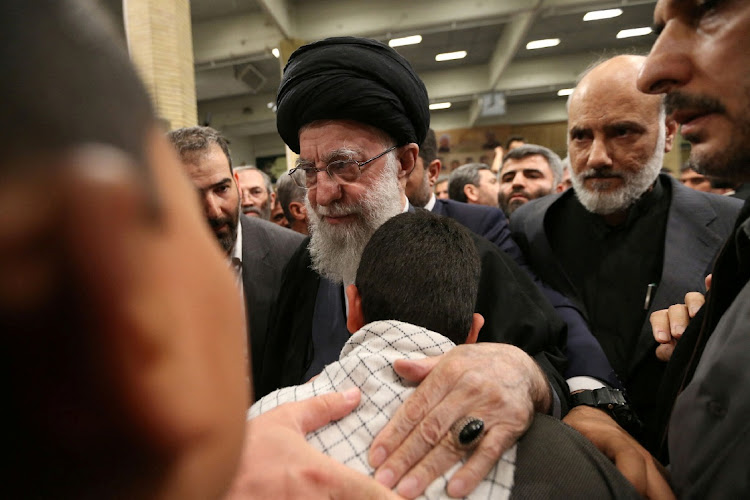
278	462
497	383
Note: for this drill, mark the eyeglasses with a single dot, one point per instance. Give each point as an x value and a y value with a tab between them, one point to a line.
341	171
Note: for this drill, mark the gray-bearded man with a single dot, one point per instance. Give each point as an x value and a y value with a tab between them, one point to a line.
356	153
624	241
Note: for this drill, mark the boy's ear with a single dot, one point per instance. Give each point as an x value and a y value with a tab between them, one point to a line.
356	320
477	323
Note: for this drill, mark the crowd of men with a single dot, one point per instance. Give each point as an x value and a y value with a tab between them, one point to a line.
403	344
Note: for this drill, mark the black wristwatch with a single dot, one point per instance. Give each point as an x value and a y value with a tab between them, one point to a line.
613	402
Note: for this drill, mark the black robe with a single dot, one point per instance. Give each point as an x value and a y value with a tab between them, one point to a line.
514	309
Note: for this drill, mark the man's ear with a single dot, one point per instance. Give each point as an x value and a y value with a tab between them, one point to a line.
671	131
356	320
560	188
271	199
470	190
433	171
298	210
407	156
477	323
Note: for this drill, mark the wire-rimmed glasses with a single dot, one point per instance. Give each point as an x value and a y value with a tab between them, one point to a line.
341	171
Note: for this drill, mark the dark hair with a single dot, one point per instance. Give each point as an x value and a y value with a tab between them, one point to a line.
428	148
67	80
514	138
394	282
553	161
190	141
463	175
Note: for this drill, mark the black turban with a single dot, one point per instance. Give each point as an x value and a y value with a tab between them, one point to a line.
348	78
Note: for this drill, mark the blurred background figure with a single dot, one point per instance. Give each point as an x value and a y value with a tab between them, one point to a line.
474	183
528	172
291	199
256	190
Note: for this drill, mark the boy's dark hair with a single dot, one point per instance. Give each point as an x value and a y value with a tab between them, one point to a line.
423	269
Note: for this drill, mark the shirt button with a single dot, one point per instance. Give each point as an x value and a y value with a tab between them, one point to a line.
717	409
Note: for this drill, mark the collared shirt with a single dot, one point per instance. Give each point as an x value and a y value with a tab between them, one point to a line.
236	260
611	267
431	204
366	362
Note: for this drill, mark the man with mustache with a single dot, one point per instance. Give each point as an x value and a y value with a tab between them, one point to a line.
528	172
700	61
624	241
257	249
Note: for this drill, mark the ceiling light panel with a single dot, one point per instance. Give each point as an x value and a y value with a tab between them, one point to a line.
634	32
407	40
542	44
596	15
564	92
450	56
440	105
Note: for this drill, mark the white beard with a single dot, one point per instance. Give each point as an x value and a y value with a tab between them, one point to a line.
335	250
633	186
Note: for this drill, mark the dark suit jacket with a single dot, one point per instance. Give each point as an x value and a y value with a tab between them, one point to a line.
266	248
697	225
585	355
514	310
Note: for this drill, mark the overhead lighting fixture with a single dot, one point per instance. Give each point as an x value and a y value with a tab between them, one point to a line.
634	32
407	40
596	15
564	92
275	52
542	44
449	56
440	105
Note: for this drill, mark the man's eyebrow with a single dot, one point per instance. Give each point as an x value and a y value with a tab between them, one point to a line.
329	157
222	182
578	130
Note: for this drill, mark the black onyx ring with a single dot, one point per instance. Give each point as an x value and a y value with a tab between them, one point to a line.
467	432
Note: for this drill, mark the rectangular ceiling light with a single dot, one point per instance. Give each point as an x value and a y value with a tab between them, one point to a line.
407	40
564	92
634	32
449	56
596	15
542	44
440	105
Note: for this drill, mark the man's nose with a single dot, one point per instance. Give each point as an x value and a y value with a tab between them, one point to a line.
327	189
598	154
668	65
211	206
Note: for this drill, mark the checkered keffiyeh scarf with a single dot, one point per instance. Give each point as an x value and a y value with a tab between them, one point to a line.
366	362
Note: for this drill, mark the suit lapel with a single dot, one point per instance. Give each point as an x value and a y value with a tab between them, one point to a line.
546	264
689	249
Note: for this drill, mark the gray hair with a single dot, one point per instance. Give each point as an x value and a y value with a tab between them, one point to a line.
190	141
554	162
266	178
463	175
288	191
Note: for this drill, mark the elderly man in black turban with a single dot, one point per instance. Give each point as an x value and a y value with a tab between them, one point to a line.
355	112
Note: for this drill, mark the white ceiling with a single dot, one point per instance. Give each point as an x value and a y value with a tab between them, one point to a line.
229	35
